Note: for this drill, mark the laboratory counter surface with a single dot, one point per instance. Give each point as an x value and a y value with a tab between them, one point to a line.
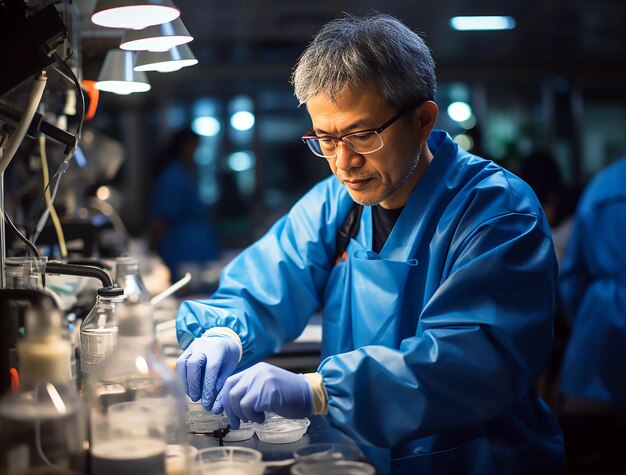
278	458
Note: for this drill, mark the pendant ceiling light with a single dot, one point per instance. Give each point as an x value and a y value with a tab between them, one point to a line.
133	14
165	61
118	75
157	37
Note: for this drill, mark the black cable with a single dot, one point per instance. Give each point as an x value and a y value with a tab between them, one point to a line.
81	97
31	247
79	130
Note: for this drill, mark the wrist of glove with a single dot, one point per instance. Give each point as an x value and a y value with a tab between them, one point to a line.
264	388
205	364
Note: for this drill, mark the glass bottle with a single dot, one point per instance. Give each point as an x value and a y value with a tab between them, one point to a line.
98	331
131	431
127	277
42	424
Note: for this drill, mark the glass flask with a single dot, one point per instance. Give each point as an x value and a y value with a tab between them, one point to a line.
136	404
98	331
42	423
127	277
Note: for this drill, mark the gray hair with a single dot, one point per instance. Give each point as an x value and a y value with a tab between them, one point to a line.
376	50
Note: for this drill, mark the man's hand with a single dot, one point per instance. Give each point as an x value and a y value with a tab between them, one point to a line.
248	395
205	365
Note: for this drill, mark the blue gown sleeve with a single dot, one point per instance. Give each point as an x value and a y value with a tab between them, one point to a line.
270	290
480	344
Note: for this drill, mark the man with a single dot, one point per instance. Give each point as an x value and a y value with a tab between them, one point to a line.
437	320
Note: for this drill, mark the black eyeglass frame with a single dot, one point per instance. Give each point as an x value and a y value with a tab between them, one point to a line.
311	135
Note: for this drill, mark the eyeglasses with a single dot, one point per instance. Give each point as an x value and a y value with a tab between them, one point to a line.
363	141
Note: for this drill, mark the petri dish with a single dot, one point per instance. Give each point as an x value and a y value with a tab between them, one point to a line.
324	452
278	430
205	421
337	467
229	461
245	431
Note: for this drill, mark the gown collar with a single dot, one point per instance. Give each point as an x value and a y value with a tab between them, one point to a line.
402	237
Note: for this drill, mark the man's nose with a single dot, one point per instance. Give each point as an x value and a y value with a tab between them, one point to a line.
346	158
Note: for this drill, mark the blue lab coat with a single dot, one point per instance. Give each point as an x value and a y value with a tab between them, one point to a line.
593	291
431	348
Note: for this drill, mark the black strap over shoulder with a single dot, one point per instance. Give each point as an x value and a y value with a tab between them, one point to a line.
348	230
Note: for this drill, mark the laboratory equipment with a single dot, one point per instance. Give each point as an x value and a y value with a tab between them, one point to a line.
338	467
229	461
201	421
324	452
98	331
127	277
25	272
136	403
205	422
279	430
42	425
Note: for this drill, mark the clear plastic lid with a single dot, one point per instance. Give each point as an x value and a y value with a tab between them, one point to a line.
279	430
325	452
338	467
229	461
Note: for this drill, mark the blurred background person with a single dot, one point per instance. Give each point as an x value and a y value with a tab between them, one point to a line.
180	225
541	171
593	292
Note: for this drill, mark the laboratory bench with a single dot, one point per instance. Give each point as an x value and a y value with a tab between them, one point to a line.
319	431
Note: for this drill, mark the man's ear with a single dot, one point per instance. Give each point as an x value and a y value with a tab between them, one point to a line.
425	116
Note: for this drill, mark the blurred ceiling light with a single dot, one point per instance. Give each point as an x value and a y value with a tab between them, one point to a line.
118	75
157	37
469	123
468	23
241	161
459	111
242	120
208	126
133	14
165	61
103	193
465	141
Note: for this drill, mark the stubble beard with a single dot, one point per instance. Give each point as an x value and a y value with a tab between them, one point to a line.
390	190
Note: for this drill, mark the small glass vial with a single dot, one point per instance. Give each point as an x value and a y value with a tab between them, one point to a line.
98	331
42	423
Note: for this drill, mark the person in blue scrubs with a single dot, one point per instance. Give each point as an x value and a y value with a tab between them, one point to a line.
179	219
437	319
593	292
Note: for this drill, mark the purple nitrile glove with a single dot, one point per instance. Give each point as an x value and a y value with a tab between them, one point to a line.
264	388
205	365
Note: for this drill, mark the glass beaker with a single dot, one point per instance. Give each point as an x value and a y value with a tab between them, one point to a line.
25	272
131	430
